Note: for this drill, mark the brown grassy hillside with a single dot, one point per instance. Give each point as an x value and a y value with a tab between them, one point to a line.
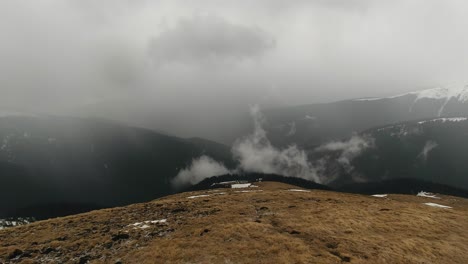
268	224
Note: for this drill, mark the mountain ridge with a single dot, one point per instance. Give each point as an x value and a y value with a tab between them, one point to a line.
56	160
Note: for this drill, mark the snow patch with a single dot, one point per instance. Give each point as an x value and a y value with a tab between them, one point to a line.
445	119
438	205
369	99
241	185
160	221
247	191
16	221
380	195
198	196
298	190
427	194
227	182
385	128
146	224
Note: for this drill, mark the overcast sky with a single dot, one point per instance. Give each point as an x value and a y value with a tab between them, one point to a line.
67	54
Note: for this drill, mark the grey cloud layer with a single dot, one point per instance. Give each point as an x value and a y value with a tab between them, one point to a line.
65	54
207	38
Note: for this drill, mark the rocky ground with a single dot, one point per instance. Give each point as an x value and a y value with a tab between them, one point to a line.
271	223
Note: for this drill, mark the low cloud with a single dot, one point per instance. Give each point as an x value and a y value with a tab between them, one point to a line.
430	145
208	39
348	149
255	153
292	129
200	169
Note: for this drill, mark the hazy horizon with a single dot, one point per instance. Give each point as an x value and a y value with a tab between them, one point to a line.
61	55
160	64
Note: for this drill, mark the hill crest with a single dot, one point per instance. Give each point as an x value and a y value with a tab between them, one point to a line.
273	222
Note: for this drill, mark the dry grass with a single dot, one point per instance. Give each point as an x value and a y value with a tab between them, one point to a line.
270	226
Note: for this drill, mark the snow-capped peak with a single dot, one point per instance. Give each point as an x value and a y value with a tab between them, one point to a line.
435	93
461	94
440	93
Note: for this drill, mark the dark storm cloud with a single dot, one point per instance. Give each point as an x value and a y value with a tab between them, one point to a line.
208	38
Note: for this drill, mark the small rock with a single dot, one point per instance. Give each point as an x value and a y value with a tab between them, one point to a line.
48	250
178	210
26	254
108	245
84	260
332	245
120	237
15	253
294	232
204	232
346	259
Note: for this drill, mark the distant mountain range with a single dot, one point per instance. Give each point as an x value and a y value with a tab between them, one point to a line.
433	150
308	125
88	163
305	125
52	165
